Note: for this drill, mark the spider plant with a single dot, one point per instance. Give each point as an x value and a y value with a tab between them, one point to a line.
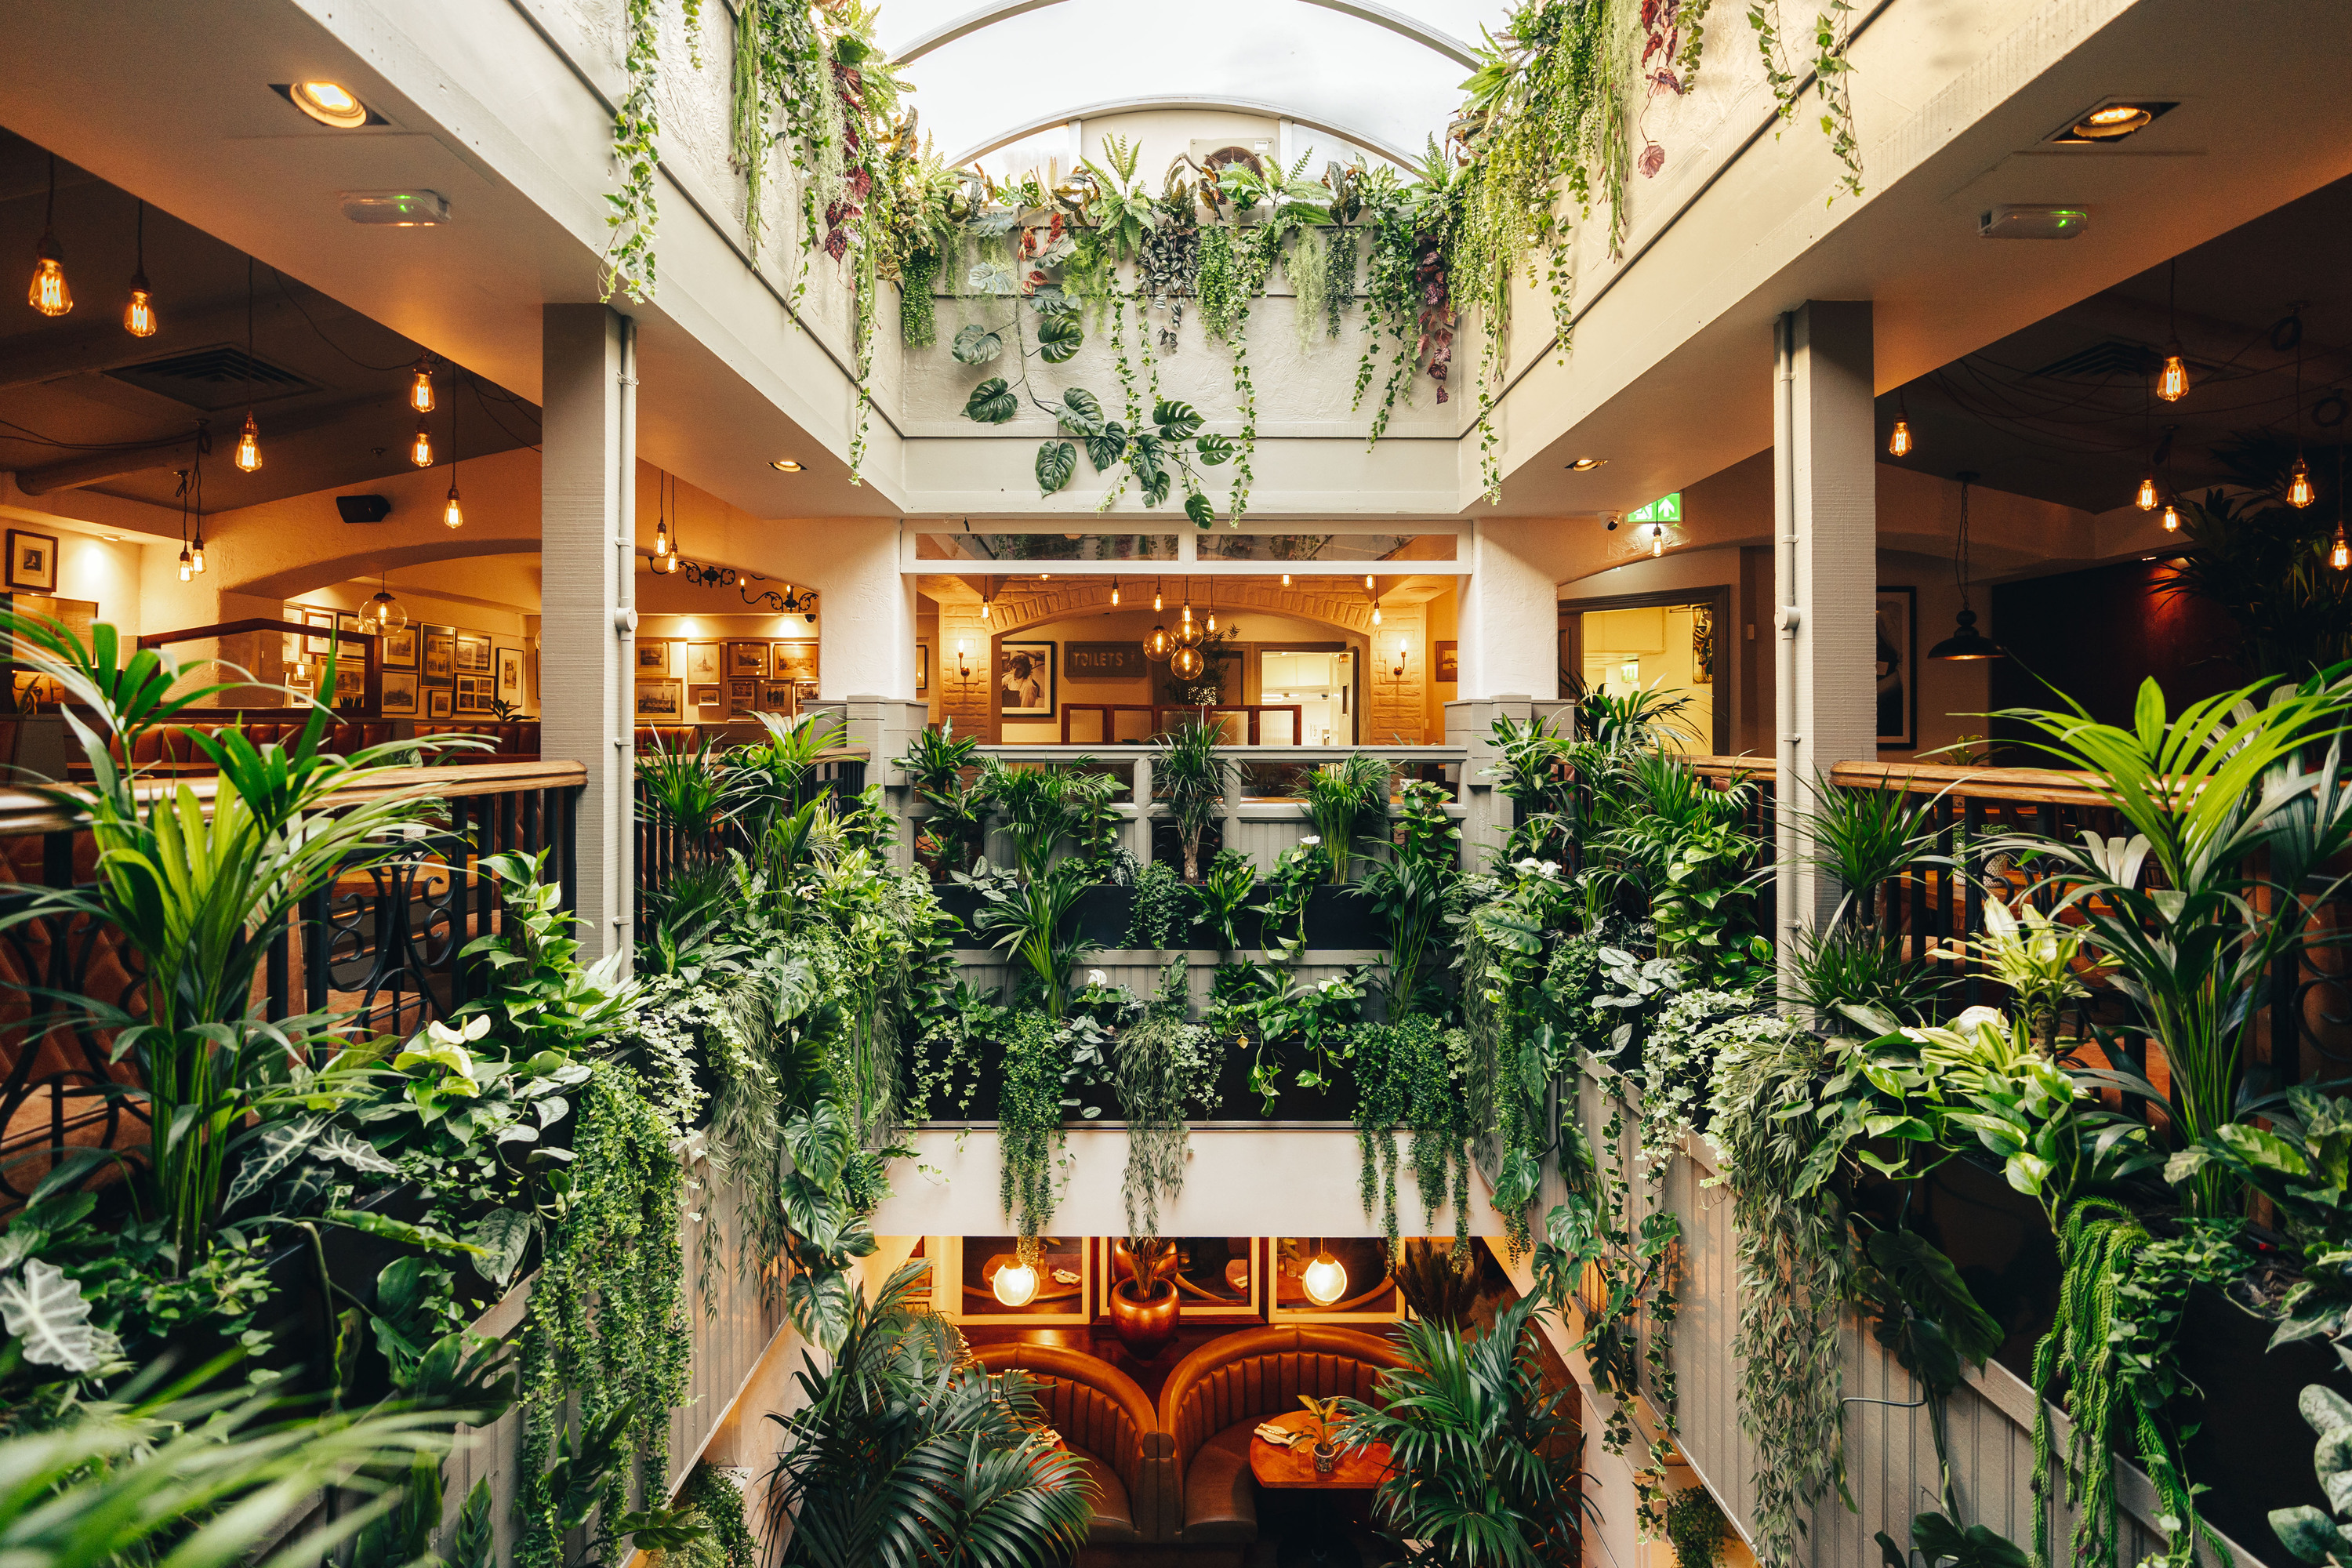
199	895
770	782
901	1456
1025	919
1224	893
1866	838
1342	799
1189	775
1851	968
685	787
1476	1474
2228	854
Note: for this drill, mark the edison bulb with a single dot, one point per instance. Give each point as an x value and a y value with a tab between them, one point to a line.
1186	664
2145	500
420	389
452	514
1155	605
196	557
661	541
385	614
2172	382
139	316
1158	644
248	444
2171	518
1325	1279
1899	444
1286	579
187	569
1015	1284
49	293
1114	592
2341	556
1188	631
1376	615
1211	623
2299	493
420	451
983	610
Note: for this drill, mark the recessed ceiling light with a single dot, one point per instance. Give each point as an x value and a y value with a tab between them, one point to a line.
114	538
2110	122
1585	464
328	103
785	465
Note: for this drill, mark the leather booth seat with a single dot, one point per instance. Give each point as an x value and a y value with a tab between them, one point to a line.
515	740
1109	1427
167	747
1217	1393
668	737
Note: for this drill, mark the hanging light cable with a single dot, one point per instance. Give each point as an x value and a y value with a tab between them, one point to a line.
139	315
2146	498
248	440
196	547
48	294
452	514
677	532
1965	642
2299	493
2172	381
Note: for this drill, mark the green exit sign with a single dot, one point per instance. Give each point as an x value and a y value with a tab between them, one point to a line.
1665	508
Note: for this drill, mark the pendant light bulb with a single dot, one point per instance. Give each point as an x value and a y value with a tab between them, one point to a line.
452	514
2299	493
983	611
1898	445
661	541
385	614
2340	557
1211	623
420	385
1015	1284
2171	518
420	451
196	555
1325	1279
1158	644
2172	381
1114	592
248	444
49	293
139	316
1286	579
1376	615
187	568
1367	581
1156	604
2147	499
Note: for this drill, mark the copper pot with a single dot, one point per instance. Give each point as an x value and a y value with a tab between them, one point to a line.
1144	1326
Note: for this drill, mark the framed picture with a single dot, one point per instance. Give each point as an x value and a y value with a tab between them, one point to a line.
400	648
317	642
661	699
400	692
301	674
437	702
473	694
295	641
509	676
747	659
804	693
776	697
1898	663
440	652
743	695
1449	661
350	683
793	661
1024	680
704	697
922	667
701	662
33	561
474	650
653	659
346	622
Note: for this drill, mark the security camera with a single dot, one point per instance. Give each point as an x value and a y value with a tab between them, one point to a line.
1612	522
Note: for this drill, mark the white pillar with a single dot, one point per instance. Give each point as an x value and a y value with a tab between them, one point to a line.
587	484
1825	575
865	613
1510	610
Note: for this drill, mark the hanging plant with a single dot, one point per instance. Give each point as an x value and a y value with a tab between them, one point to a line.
629	257
1161	1067
919	326
1029	1123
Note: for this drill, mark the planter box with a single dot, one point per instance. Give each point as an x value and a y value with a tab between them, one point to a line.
1343	917
961	901
1104	913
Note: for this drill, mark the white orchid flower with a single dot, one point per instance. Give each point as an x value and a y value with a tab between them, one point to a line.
1097	977
1309	842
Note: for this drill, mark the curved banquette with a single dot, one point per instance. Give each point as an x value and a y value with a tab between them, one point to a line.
1108	1425
1214	1395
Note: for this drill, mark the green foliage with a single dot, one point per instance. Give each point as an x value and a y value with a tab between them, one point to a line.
1223	893
1850	969
1029	1120
1410	1074
1161	1066
2308	1533
901	1457
2264	564
1478	1467
1936	1542
1164	912
937	761
1343	801
1188	773
1691	1523
628	263
2301	1165
1028	919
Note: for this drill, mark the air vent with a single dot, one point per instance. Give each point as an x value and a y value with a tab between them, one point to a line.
221	376
2103	361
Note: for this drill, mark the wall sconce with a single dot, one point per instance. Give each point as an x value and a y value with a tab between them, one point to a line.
1402	647
963	651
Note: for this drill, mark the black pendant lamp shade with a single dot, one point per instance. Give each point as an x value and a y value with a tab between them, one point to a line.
1965	642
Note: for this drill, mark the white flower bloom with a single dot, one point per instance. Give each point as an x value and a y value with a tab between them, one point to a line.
1309	842
1968	1022
1097	977
1551	868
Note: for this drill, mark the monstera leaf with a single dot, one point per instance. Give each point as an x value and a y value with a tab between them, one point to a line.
45	1312
1214	449
1059	337
1081	412
992	277
991	402
1199	509
1108	448
1056	462
977	345
1175	418
1145	460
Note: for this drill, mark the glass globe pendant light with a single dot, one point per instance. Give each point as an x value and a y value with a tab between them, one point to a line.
1325	1279
1187	663
383	613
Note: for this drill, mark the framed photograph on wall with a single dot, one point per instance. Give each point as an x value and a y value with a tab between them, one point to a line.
474	694
1898	667
776	695
663	701
509	676
400	692
701	663
922	667
474	651
400	648
793	661
351	684
1024	680
440	652
317	643
437	702
747	659
1449	662
33	561
653	659
743	695
704	697
346	622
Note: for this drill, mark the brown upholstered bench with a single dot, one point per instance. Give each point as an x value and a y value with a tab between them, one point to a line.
1108	1424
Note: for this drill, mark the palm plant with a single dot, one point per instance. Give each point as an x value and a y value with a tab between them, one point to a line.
901	1456
2219	875
937	761
200	895
1189	775
685	787
1475	1476
1342	800
1534	774
1850	968
1866	838
769	782
1224	893
1026	918
1040	808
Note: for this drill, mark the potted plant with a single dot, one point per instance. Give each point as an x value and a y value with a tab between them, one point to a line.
1326	1451
1144	1307
1192	779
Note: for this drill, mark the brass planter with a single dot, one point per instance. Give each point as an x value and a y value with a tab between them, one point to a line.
1143	1326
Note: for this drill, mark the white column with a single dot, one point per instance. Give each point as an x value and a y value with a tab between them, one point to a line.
1824	466
1510	610
587	442
865	610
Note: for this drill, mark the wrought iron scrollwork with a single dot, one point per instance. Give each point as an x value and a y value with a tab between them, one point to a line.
793	601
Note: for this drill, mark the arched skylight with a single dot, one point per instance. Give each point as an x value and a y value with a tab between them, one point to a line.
1368	74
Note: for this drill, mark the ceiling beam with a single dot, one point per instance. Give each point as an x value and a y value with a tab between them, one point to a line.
97	468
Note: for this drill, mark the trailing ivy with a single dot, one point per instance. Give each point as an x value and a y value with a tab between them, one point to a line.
1029	1122
1161	1066
1410	1074
629	255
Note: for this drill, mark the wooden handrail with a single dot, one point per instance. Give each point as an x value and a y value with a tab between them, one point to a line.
2031	787
23	812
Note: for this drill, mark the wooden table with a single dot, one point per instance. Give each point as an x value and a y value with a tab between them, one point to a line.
1293	1469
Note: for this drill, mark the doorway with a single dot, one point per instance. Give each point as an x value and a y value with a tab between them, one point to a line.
1321	681
1675	643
